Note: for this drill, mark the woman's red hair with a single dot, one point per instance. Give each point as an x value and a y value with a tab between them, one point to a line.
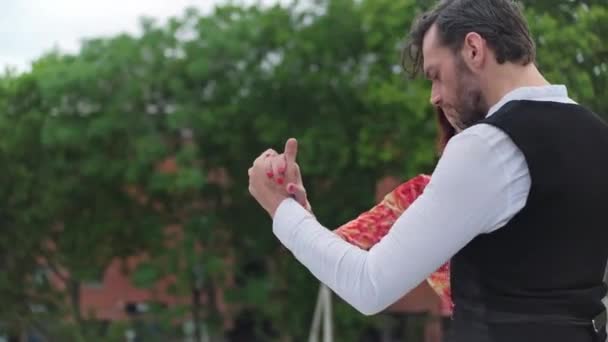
445	131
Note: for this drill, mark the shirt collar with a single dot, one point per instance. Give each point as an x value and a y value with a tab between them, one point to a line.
557	93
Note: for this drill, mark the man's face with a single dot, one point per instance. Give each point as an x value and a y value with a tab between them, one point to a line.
454	86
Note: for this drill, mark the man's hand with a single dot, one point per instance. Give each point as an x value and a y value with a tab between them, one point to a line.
284	170
268	194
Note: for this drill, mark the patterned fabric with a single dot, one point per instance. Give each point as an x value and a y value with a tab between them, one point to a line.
369	228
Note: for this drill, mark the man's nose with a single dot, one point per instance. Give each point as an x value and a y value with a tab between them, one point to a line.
435	99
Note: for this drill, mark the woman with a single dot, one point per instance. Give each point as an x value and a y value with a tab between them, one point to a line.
369	228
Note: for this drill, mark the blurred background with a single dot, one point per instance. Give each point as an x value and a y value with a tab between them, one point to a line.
126	132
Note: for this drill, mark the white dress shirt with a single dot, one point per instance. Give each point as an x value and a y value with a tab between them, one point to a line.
479	184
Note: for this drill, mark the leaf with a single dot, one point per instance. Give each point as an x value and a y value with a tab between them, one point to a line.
146	275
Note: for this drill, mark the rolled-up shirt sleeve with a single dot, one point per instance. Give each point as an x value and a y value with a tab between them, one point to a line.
470	193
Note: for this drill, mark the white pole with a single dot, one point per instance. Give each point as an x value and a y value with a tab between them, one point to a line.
316	318
328	329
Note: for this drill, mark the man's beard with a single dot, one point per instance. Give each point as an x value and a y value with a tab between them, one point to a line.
472	106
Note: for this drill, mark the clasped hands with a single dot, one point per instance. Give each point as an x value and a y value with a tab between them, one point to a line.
274	177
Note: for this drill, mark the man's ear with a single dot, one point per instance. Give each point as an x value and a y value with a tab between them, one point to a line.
474	51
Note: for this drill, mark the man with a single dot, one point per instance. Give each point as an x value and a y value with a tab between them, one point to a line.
517	200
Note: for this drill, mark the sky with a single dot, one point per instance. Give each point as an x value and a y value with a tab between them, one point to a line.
29	28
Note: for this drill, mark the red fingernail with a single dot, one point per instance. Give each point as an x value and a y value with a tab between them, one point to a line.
269	174
280	180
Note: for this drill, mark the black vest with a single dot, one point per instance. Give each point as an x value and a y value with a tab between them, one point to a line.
548	262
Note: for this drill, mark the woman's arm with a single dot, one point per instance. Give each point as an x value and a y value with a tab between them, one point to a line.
369	228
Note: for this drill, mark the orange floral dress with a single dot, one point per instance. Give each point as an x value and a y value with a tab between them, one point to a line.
369	228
